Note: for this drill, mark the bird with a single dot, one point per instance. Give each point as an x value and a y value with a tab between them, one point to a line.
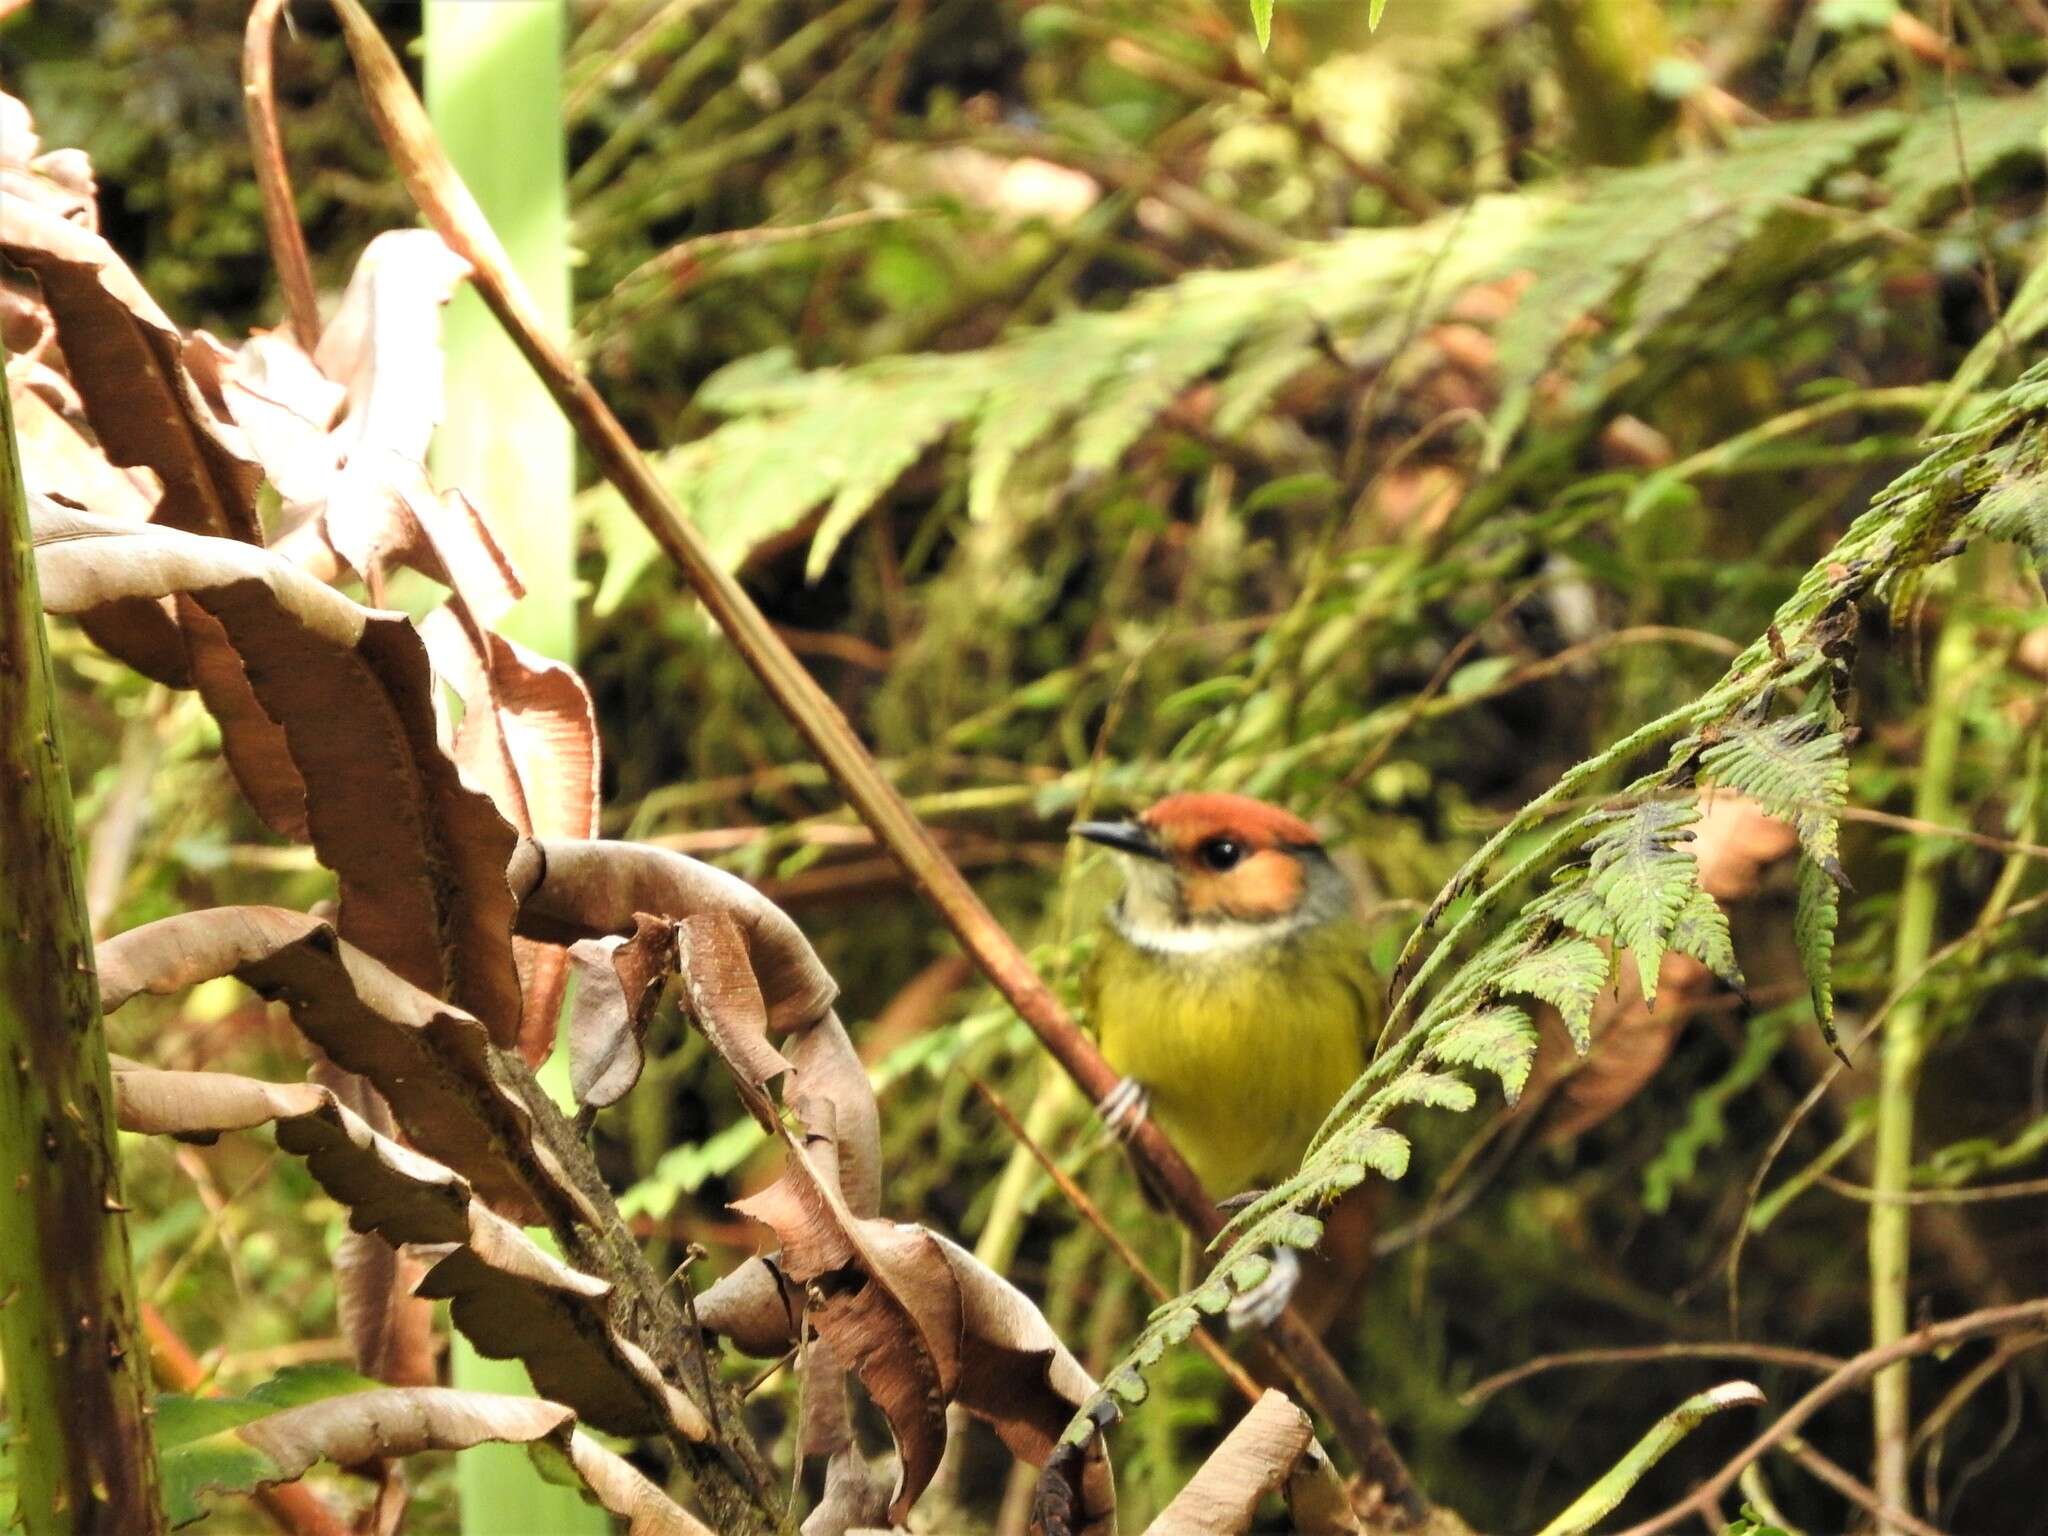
1230	985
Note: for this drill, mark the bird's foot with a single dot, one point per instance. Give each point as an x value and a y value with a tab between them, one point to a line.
1258	1307
1230	1205
1124	1109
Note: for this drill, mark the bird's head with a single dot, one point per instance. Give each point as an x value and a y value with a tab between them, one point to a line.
1205	871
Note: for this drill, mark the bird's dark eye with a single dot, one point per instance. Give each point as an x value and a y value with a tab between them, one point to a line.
1220	853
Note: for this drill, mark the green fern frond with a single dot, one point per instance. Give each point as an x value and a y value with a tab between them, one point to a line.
1567	974
1500	1039
1795	768
1923	175
1702	932
1813	930
1093	384
1643	877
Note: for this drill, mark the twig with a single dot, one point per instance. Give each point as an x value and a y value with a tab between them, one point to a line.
273	178
1091	1213
1819	1090
1924	828
1851	1374
1855	1492
1768	1354
449	208
680	262
2017	1191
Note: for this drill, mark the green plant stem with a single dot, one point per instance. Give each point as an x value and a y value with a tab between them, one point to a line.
493	77
81	1452
1598	1501
1605	50
1905	1048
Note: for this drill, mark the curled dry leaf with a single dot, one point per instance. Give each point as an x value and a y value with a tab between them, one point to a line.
343	433
1255	1459
512	1299
527	738
618	982
126	359
390	1331
728	1006
922	1323
430	1061
756	1307
278	1435
383	347
856	1497
571	890
420	855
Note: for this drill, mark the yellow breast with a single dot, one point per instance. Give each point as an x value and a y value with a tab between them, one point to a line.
1241	1052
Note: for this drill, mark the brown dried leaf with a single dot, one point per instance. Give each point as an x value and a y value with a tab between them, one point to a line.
420	855
856	1497
390	1330
922	1323
127	361
384	347
618	982
58	461
727	1005
528	738
571	890
402	1421
430	1061
1255	1459
1014	1371
886	1310
755	1306
286	407
512	1299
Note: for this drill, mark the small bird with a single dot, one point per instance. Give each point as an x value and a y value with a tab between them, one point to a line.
1231	986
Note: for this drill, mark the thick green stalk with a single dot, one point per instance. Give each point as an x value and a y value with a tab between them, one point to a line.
1905	1050
494	89
493	77
83	1459
1605	50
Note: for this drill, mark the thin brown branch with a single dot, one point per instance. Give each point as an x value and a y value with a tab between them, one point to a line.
1768	1354
2023	1189
273	178
1091	1213
1852	1373
453	213
1857	1493
1919	827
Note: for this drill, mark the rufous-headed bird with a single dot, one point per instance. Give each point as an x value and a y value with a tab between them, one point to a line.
1231	986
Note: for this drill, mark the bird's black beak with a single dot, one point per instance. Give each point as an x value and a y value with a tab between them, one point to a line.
1124	836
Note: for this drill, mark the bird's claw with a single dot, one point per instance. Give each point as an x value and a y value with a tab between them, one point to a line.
1124	1109
1259	1306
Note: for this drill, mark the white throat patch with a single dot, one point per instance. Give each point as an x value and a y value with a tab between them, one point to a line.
1204	938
